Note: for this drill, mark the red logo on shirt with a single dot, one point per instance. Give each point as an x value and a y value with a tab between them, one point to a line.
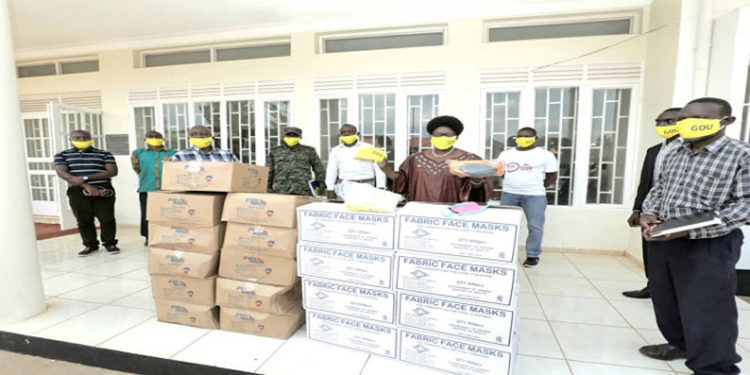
512	167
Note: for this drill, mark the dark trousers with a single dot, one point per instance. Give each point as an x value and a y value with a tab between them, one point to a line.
143	197
644	252
86	209
693	283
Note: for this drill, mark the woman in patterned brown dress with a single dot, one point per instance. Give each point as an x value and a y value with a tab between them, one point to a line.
424	176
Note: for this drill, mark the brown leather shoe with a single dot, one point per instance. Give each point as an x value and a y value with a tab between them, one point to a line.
664	352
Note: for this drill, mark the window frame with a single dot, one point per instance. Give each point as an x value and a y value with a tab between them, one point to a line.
321	38
140	56
634	15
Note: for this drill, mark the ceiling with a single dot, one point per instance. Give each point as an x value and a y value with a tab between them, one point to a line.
45	27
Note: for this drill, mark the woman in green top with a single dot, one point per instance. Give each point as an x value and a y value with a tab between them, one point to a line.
147	162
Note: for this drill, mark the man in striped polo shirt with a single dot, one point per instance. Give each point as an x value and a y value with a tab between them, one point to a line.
88	172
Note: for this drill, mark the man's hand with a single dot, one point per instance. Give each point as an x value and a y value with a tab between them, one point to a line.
634	219
666	237
330	194
383	164
76	181
93	192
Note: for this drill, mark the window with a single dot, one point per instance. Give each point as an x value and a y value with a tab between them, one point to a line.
609	135
208	115
37	138
52	68
175	120
241	129
377	113
555	120
746	110
333	115
73	120
501	123
253	52
177	58
216	53
421	109
79	67
388	40
36	70
277	120
144	123
560	30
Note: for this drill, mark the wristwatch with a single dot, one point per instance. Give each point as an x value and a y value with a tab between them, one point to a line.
85	178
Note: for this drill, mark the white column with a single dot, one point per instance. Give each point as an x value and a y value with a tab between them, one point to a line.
21	295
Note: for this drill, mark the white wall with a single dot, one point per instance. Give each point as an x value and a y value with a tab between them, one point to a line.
462	58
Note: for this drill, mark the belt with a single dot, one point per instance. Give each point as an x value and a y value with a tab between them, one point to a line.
365	181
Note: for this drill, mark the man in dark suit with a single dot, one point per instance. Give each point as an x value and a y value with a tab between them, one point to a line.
666	127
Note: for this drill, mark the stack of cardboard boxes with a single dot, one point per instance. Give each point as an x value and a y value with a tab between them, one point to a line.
419	286
186	234
258	289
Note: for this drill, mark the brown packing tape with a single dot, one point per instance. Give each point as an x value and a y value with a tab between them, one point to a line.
186	237
280	326
214	176
276	210
252	266
187	314
263	239
259	297
181	263
184	289
185	208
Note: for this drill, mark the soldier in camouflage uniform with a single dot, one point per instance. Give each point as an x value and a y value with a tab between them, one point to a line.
289	166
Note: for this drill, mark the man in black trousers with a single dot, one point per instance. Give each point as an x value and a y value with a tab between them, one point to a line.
692	274
88	172
666	127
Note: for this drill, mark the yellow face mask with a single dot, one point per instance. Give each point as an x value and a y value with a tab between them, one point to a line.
525	141
201	142
443	143
668	131
82	145
292	141
349	139
155	142
697	128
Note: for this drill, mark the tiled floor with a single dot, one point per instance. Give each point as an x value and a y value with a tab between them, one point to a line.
574	321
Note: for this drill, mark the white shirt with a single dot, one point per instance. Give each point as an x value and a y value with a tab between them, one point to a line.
525	170
342	165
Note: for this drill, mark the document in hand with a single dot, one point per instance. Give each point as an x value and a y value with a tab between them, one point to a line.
686	223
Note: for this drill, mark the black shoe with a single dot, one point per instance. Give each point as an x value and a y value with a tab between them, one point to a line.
112	249
642	293
87	251
531	262
664	352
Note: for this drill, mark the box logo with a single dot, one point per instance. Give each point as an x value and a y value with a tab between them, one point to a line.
244	316
258	303
420	349
419	274
420	311
317	225
325	327
255	202
321	295
261	326
177	284
194	168
209	178
269	213
178	201
316	261
185	270
179	309
419	233
175	258
271	243
180	230
268	271
245	291
254	260
259	231
190	293
192	319
191	212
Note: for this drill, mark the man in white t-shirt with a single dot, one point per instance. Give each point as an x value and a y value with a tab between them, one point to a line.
528	171
343	167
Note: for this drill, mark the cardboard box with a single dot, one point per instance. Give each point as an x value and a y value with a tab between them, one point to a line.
454	356
485	323
184	289
281	326
349	266
214	176
185	208
490	235
455	278
263	239
276	210
260	297
260	268
188	314
186	237
331	223
352	333
352	300
181	263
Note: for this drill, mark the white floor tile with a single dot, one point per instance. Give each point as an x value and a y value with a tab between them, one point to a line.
607	260
612	290
154	338
608	345
67	282
77	263
535	338
745	343
96	326
613	273
107	291
58	310
302	356
563	286
113	268
140	274
744	323
528	365
377	365
583	368
743	305
550	257
523	281
638	313
231	350
581	310
554	269
139	300
528	307
48	274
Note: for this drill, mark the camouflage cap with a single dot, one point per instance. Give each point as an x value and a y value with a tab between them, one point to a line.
293	130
